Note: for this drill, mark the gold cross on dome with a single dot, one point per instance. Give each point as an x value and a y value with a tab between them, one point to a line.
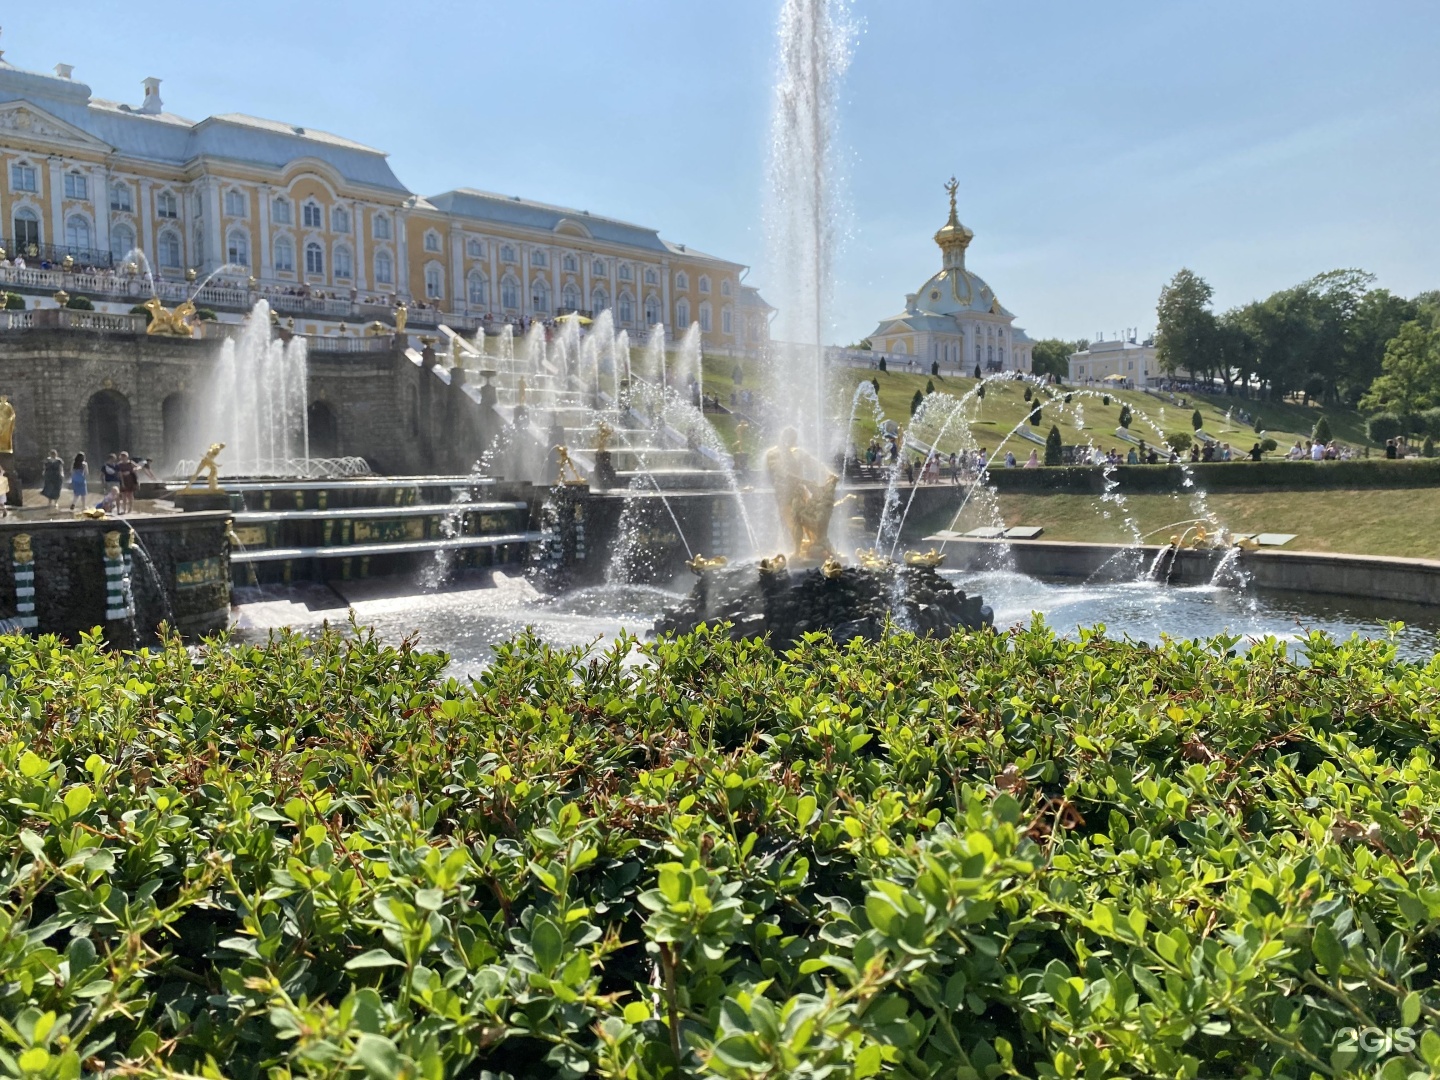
952	187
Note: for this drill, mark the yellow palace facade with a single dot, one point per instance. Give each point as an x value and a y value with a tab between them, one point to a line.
300	209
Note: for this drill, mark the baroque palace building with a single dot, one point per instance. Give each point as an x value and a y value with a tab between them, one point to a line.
307	211
955	319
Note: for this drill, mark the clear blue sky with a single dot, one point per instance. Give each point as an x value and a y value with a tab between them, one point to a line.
1099	146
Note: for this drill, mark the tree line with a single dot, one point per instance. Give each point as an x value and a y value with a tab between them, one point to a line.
1335	339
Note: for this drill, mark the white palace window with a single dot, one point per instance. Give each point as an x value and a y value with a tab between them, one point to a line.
234	204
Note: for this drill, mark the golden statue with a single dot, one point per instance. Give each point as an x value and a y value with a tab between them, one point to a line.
805	493
402	314
167	323
7	426
207	463
931	558
112	545
741	430
20	548
831	568
564	462
775	565
376	329
520	391
699	564
603	434
871	559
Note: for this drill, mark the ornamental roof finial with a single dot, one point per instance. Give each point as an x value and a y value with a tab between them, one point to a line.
951	188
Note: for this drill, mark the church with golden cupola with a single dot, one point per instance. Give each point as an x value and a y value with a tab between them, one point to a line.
954	319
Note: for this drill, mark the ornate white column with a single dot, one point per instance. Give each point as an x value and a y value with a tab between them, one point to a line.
57	199
458	295
585	298
145	211
261	269
402	256
554	257
357	218
666	315
100	200
214	238
492	293
524	279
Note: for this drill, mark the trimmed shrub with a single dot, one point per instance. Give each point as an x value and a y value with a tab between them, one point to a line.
978	374
1321	432
14	302
1269	445
1180	441
916	402
1029	393
935	368
1125	417
1428	447
929	387
1105	399
1196	420
79	303
1054	449
141	309
1035	416
1383	427
980	391
204	314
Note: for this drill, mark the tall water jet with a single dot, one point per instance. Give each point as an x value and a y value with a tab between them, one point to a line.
815	43
256	401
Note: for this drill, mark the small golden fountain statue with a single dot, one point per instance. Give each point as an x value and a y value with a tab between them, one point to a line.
870	559
699	564
929	559
831	568
565	463
805	495
207	464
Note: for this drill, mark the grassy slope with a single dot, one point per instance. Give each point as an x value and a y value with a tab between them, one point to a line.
1399	523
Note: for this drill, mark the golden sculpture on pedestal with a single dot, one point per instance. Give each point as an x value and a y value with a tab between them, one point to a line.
603	434
169	323
805	494
831	568
870	559
207	464
20	550
112	545
7	425
378	329
564	463
775	565
402	315
699	564
931	558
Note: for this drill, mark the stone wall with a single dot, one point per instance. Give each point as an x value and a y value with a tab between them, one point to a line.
78	390
187	581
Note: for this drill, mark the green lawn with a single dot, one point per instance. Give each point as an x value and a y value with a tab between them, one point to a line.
1403	523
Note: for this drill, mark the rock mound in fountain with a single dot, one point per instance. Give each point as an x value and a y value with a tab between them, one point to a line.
787	603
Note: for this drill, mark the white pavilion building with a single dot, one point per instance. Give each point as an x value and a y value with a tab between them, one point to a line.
955	318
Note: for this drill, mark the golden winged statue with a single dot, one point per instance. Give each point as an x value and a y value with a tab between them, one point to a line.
167	323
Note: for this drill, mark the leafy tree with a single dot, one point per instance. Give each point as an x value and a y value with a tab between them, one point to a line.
1053	448
1180	441
1410	379
1051	356
1196	420
1378	319
1321	432
916	402
1186	325
1125	416
1269	445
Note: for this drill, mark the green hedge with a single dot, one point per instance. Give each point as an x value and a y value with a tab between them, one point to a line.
1002	854
1244	475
